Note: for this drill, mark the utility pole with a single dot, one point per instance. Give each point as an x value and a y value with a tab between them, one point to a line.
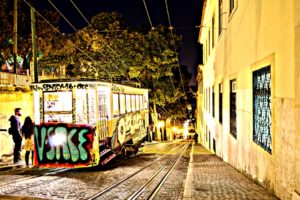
15	36
34	52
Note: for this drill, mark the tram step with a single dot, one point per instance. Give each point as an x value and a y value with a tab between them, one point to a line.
105	152
108	159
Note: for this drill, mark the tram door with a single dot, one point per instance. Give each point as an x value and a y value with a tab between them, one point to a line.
103	112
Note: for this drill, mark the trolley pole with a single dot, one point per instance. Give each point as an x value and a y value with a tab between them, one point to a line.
34	53
15	37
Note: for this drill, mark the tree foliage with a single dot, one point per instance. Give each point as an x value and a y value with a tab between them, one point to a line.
107	49
46	37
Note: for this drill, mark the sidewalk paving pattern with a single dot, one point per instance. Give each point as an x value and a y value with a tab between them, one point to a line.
211	178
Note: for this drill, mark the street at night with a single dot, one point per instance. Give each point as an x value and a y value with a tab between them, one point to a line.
150	99
165	170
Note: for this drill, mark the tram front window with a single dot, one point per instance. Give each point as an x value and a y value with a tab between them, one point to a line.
58	106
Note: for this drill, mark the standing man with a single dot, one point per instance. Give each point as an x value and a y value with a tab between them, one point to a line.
15	131
196	137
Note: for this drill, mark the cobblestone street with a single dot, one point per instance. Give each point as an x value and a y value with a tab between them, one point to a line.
198	175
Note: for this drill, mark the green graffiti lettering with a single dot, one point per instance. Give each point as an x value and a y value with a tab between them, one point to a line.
50	153
82	139
66	152
72	146
40	146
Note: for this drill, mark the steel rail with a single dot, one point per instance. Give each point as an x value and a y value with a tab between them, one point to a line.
136	194
102	192
158	187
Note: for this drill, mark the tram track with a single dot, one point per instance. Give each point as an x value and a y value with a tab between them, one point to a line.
163	171
48	185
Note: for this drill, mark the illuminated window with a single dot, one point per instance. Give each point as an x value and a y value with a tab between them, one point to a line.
208	45
81	107
231	6
122	104
128	103
145	101
103	113
213	32
58	107
92	106
233	107
204	97
141	102
116	110
209	99
133	106
58	101
213	101
262	108
137	101
220	16
220	104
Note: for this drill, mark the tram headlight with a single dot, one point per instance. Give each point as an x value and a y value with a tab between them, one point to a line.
58	139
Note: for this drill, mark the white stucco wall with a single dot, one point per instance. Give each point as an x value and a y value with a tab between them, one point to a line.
257	34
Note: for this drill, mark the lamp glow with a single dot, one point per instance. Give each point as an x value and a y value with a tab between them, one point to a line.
58	139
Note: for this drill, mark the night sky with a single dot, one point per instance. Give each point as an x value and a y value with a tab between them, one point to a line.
184	16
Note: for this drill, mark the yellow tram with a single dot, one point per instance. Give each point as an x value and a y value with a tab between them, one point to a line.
87	123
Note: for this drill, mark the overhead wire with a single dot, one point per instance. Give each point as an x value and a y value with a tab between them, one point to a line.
149	19
56	30
152	28
86	41
83	16
171	28
174	45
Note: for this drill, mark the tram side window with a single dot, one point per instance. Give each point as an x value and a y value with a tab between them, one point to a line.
116	110
122	104
137	100
128	103
133	103
81	107
145	102
141	102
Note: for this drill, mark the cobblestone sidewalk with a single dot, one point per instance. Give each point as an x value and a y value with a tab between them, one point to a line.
210	178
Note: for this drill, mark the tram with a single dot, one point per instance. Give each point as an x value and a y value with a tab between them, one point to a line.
87	123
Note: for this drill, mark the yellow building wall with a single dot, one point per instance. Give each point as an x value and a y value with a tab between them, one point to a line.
8	102
296	194
257	34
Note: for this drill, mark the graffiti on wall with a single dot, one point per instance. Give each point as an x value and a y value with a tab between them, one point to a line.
3	120
63	145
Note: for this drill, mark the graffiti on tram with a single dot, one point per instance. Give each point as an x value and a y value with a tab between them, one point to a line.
63	143
130	126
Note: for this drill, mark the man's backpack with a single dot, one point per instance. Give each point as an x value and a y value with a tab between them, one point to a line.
10	131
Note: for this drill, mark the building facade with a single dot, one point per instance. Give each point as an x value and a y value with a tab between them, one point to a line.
248	99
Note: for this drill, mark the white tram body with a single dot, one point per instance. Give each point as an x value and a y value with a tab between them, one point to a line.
87	123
